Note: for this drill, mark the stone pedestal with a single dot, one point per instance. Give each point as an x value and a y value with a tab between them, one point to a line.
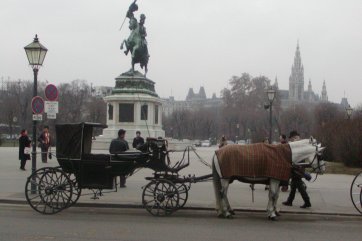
132	106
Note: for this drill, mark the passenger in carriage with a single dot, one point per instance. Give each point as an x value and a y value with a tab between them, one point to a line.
118	146
138	141
297	182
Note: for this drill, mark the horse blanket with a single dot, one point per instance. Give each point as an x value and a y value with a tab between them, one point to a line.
256	160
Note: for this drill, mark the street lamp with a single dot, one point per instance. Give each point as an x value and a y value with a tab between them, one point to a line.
35	52
271	95
349	111
238	136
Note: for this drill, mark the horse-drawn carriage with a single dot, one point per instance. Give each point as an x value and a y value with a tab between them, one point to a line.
51	189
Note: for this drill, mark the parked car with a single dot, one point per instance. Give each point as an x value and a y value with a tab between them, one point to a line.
241	142
197	143
230	142
205	143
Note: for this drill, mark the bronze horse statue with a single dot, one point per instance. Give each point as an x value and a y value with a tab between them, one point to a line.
136	42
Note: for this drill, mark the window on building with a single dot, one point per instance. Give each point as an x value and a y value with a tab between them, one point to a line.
144	112
156	114
126	113
110	112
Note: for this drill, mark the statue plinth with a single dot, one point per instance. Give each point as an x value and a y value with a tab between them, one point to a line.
134	82
133	106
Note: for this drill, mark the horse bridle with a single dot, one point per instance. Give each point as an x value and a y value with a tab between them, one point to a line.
317	157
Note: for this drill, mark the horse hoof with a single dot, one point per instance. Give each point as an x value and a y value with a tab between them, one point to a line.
220	215
278	214
229	216
272	218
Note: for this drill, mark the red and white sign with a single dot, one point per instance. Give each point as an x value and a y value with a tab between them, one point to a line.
37	105
51	92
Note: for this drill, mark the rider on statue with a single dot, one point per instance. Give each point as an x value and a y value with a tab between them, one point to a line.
136	42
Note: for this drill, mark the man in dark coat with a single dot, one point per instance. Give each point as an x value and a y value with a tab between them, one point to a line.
138	141
117	146
297	182
24	149
44	142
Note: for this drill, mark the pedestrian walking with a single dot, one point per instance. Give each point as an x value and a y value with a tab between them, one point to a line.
117	146
24	148
297	182
44	143
283	139
223	141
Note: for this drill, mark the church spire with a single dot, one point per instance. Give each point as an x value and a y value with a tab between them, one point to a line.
276	83
324	92
296	79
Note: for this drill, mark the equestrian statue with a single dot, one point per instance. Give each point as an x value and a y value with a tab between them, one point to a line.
136	43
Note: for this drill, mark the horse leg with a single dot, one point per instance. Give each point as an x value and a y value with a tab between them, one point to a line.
217	187
127	47
225	186
273	198
146	70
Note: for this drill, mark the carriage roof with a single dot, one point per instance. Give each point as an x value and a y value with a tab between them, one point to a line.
75	139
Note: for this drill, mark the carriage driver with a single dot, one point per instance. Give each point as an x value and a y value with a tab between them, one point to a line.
117	146
297	182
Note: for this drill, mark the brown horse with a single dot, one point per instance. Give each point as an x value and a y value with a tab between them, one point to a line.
260	163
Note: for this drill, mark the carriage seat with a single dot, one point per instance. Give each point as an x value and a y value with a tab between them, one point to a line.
96	157
129	156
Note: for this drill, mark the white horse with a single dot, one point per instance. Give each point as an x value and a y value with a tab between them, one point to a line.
225	169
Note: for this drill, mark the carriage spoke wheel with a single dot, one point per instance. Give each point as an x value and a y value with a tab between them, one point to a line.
356	192
160	197
183	192
48	190
77	191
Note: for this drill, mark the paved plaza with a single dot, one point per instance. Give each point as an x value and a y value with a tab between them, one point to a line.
329	194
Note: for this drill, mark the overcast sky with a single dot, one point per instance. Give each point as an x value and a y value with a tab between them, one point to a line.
192	43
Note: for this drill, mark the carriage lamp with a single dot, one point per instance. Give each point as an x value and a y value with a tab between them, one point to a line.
271	95
35	52
349	111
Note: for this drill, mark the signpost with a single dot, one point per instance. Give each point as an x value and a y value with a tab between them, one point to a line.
51	92
51	106
37	105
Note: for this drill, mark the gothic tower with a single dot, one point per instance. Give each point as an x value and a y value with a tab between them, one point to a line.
296	79
310	97
324	92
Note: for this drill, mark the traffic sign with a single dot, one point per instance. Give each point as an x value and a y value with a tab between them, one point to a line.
37	105
37	117
51	92
51	107
51	115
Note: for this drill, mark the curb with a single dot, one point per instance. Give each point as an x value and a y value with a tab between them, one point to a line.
137	206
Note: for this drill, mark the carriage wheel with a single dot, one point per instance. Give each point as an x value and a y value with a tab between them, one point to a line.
77	191
356	192
160	197
183	192
48	190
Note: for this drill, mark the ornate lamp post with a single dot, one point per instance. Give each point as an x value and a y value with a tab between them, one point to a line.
349	111
35	53
238	133
271	95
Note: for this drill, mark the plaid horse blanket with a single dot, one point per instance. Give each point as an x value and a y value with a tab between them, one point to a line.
256	160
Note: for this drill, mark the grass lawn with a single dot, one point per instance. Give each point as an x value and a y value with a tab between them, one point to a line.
9	143
340	168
